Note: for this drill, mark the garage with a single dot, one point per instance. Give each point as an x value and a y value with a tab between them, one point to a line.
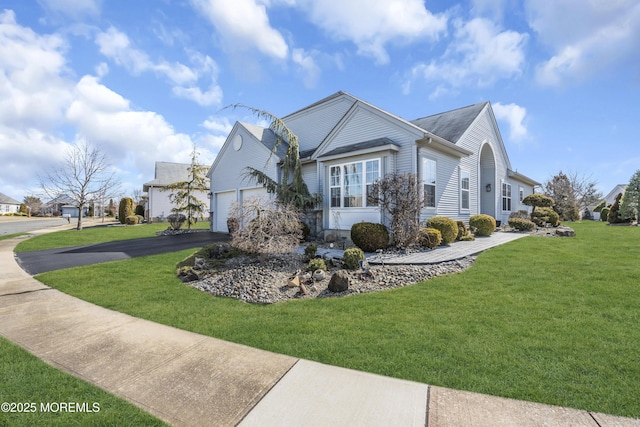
259	192
222	207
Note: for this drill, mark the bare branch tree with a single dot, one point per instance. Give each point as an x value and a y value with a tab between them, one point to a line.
84	176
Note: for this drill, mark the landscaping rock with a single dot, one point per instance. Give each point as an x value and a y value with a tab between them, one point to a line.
319	275
339	281
565	232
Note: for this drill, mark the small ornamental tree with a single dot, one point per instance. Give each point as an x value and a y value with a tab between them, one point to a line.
615	216
399	196
630	204
183	193
125	209
538	201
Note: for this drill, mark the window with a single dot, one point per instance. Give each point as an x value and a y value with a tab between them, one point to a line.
464	189
521	195
353	185
506	196
335	186
429	182
350	183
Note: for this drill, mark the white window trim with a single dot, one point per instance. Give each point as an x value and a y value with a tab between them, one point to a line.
503	196
341	167
468	190
435	185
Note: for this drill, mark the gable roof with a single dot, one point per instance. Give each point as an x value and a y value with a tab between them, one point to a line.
451	125
267	137
167	173
6	200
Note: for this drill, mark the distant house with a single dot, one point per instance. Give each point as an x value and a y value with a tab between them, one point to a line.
157	202
62	205
346	144
8	205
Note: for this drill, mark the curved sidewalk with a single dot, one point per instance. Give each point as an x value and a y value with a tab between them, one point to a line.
187	379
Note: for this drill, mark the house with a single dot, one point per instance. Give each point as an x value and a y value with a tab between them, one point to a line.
158	204
346	144
609	199
8	205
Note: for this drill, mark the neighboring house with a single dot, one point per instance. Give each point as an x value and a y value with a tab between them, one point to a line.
346	144
8	205
158	205
55	206
71	211
609	199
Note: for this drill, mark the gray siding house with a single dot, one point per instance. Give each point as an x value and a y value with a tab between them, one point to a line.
346	144
8	205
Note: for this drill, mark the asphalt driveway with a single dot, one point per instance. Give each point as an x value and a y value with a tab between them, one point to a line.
37	262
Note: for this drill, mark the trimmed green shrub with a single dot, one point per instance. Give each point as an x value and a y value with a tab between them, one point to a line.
311	250
484	224
600	206
521	224
429	237
176	220
538	200
604	214
131	220
125	209
542	216
369	236
351	258
448	228
316	264
305	230
462	230
139	210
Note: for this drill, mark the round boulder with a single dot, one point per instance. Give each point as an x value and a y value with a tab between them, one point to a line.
339	281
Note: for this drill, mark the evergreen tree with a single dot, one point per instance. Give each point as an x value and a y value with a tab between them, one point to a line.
184	192
630	204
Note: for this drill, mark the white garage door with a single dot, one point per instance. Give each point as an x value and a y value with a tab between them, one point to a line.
259	192
223	204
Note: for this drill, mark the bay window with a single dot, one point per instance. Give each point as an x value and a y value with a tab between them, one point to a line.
350	183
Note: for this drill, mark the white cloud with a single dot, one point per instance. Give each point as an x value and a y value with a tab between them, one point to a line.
479	55
601	36
244	25
32	91
372	24
115	45
307	67
514	115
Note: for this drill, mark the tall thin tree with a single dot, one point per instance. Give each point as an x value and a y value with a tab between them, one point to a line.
84	175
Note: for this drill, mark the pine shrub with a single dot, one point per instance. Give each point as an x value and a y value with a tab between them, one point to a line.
125	209
351	258
369	236
542	216
448	228
316	264
604	214
484	224
429	237
521	224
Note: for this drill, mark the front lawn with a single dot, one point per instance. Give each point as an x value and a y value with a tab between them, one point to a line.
31	393
99	234
551	320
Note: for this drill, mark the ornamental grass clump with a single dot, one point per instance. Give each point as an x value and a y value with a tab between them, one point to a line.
429	238
448	228
369	236
483	224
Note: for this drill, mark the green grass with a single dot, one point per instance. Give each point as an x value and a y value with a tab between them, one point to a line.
539	319
26	379
93	235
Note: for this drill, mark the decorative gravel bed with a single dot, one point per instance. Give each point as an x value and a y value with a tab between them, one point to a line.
250	280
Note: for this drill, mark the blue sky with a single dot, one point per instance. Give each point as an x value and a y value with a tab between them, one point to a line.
148	79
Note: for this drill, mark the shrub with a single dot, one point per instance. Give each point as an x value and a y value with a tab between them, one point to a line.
176	220
519	214
351	258
369	236
316	264
429	237
521	224
310	250
131	220
448	228
139	210
484	224
604	214
542	216
305	230
125	209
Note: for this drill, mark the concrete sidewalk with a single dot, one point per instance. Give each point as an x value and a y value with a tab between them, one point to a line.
188	379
